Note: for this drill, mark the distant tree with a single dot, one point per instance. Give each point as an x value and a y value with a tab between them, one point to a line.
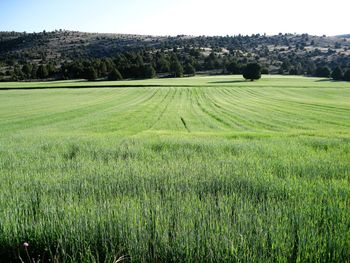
211	62
109	64
293	71
323	72
233	68
265	71
195	53
176	68
139	60
337	74
27	70
252	71
19	73
90	73
145	71
34	72
163	65
189	69
42	72
347	75
103	69
148	71
310	68
285	65
115	75
51	69
14	77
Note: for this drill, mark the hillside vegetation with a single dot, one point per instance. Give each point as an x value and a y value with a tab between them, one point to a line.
202	169
75	55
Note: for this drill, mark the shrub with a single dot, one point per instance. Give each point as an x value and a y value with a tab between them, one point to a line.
252	71
337	74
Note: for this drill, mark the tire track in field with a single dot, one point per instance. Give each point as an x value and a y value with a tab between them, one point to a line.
228	111
230	115
254	117
308	112
185	109
129	100
280	112
72	115
165	108
320	107
211	115
267	119
41	108
187	113
198	112
135	105
56	117
277	113
229	107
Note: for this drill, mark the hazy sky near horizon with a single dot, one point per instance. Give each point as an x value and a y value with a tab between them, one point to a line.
190	17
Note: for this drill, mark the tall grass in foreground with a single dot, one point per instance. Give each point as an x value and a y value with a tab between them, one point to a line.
175	200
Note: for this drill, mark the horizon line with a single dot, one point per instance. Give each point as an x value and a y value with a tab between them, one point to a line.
170	35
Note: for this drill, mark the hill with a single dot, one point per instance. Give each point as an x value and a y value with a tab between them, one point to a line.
344	36
21	54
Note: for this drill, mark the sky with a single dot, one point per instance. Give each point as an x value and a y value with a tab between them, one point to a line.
188	17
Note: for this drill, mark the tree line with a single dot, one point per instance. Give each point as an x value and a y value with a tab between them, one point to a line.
176	62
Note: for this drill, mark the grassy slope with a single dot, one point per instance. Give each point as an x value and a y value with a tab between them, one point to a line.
205	168
213	105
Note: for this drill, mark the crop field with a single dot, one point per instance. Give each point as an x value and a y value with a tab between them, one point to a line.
202	169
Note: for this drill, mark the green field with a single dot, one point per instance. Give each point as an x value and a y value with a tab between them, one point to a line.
202	169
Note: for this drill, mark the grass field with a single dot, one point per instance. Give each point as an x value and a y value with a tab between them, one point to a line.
203	169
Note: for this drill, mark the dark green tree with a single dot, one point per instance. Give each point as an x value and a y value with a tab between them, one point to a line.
42	72
34	72
19	73
252	71
148	71
285	66
163	65
337	74
347	75
115	75
323	72
27	70
103	69
293	71
139	60
176	68
51	69
211	62
90	73
233	68
189	69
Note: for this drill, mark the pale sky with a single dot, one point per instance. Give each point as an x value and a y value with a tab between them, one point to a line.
189	17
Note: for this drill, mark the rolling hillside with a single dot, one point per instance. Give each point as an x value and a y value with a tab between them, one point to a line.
283	53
